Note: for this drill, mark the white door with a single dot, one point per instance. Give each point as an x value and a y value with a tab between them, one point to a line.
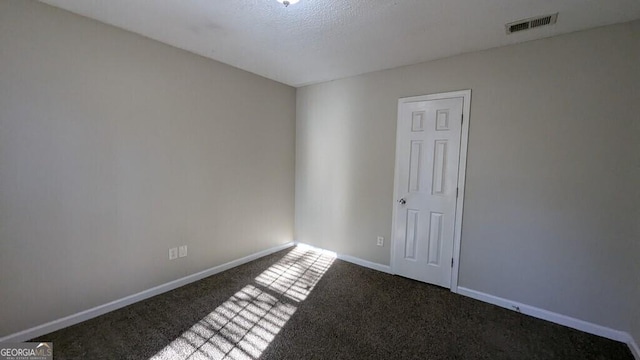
427	161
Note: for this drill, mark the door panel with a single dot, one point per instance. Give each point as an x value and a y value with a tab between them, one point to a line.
435	239
413	222
428	152
415	158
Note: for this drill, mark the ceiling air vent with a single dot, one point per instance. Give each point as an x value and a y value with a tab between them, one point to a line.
531	23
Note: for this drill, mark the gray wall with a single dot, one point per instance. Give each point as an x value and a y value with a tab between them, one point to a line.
114	148
635	192
547	218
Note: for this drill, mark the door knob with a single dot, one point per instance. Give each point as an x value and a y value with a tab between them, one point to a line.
402	201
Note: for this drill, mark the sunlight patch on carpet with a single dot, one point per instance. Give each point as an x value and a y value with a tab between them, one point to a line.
295	275
244	325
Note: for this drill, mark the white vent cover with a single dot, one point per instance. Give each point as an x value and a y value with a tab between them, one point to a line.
531	23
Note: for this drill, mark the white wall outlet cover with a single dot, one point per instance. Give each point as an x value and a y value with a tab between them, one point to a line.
182	251
173	253
380	241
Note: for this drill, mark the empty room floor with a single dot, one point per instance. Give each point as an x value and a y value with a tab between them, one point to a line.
302	303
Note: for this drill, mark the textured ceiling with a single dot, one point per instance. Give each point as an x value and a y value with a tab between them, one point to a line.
320	40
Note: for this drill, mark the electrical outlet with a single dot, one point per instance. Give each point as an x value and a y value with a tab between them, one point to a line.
182	251
173	253
380	241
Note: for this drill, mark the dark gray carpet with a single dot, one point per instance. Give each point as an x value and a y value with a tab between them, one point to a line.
350	313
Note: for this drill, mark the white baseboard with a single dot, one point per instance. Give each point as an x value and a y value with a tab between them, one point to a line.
128	300
365	263
633	346
353	259
491	299
568	321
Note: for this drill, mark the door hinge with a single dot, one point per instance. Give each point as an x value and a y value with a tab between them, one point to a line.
451	262
457	192
462	119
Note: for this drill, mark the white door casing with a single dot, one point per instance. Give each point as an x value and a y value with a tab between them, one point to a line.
429	186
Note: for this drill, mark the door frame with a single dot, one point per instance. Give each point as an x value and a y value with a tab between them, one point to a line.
462	167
